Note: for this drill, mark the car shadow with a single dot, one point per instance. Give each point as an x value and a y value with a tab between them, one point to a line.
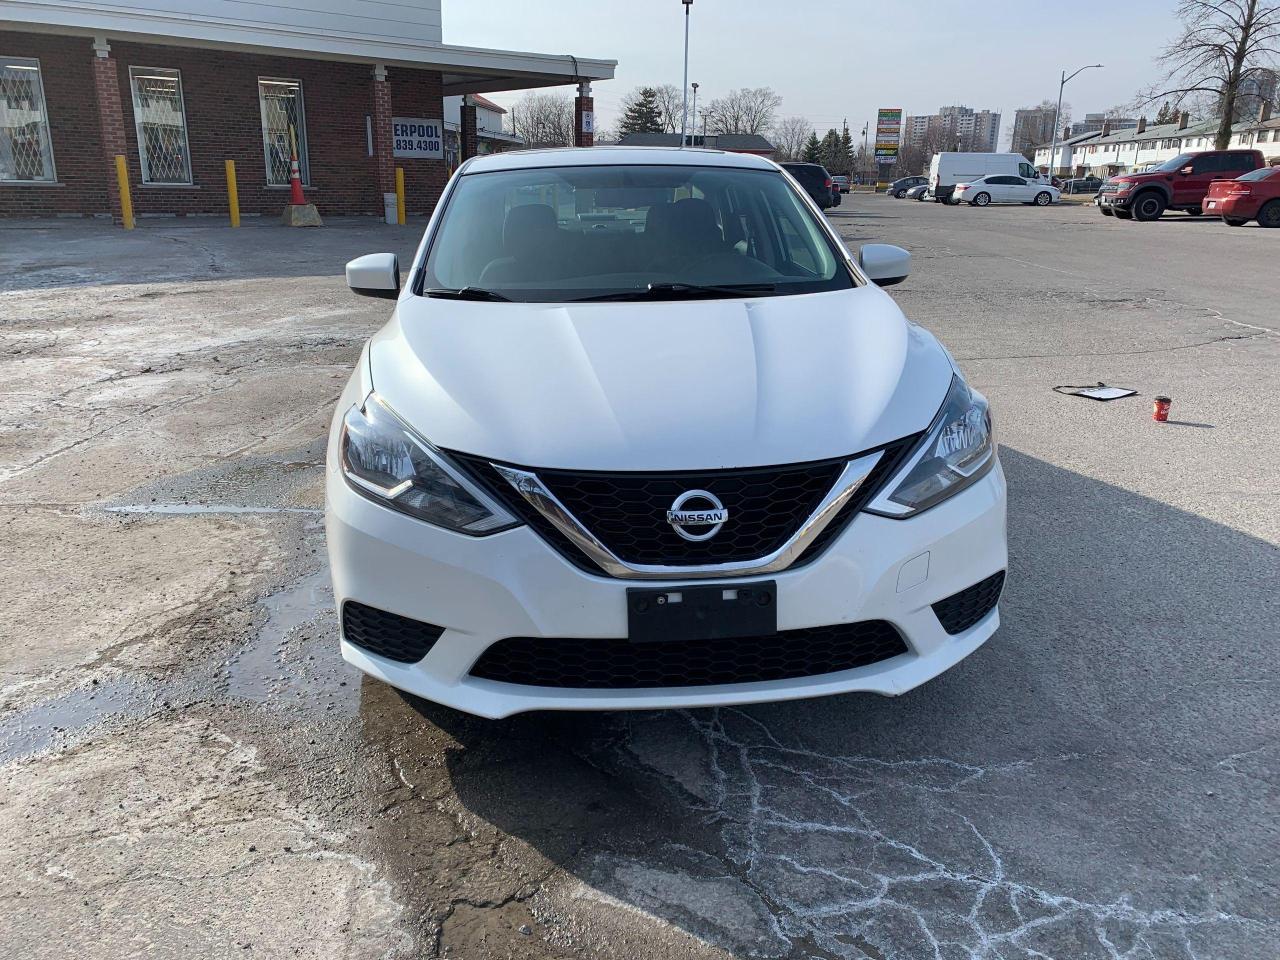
1102	770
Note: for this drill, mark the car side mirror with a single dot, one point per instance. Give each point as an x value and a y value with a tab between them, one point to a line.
1186	171
884	263
375	275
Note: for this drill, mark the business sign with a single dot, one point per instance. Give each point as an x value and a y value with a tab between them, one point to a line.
888	134
588	121
417	138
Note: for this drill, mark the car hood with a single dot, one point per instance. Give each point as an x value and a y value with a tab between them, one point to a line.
680	385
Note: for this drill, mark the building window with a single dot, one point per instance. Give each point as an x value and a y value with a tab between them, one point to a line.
281	105
1262	136
161	124
26	153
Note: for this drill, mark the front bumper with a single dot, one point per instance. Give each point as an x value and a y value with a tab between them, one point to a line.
513	584
1113	200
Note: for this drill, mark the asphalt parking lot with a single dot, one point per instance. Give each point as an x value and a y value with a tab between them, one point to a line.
188	769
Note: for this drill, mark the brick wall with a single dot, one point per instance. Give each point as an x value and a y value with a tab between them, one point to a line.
220	96
66	68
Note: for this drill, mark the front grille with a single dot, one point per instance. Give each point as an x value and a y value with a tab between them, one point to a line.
628	511
623	665
1109	188
388	634
960	611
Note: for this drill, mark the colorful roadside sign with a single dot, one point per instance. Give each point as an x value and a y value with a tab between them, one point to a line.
888	134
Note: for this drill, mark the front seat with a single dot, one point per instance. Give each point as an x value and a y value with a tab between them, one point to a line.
690	233
530	240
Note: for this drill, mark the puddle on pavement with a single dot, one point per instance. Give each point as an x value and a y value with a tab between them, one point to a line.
47	725
180	509
293	660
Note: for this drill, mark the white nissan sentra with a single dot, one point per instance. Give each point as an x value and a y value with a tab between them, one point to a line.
642	433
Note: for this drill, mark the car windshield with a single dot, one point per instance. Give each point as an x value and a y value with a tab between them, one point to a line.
556	234
1260	174
1177	163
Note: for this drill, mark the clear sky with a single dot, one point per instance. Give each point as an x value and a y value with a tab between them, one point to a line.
832	60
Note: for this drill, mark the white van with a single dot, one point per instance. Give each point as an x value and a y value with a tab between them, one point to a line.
948	169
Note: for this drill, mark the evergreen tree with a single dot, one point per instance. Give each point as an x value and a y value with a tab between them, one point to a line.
830	151
846	151
643	113
812	149
1166	115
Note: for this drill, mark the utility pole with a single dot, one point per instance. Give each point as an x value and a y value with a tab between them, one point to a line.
684	117
694	111
1057	113
865	126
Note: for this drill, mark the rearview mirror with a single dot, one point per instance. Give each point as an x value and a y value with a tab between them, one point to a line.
884	263
375	275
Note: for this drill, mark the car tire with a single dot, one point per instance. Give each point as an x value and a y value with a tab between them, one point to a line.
1148	206
981	199
1044	198
1106	211
901	194
1122	214
1194	212
1234	221
1269	215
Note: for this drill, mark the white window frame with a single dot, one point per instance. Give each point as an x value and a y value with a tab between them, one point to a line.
142	140
304	147
44	109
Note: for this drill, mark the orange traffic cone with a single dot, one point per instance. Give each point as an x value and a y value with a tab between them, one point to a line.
298	213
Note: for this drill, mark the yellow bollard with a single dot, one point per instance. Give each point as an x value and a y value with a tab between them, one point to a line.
233	193
126	200
400	195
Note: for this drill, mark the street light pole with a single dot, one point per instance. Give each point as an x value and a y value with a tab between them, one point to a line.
694	111
684	118
864	140
1057	113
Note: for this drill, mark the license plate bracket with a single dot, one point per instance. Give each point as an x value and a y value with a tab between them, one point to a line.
691	613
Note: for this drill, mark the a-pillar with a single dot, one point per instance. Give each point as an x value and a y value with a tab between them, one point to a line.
384	163
468	135
584	117
106	88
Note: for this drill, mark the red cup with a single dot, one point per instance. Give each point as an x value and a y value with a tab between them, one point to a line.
1161	412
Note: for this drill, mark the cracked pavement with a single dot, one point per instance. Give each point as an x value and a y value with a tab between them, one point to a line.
187	768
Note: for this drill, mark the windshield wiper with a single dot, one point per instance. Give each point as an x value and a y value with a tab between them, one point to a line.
682	291
465	293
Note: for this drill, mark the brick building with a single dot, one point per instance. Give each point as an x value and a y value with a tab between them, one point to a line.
180	86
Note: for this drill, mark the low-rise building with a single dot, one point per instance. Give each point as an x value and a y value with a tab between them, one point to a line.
729	142
491	133
179	87
1108	153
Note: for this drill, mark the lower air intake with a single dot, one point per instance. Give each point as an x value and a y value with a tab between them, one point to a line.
388	634
960	611
622	665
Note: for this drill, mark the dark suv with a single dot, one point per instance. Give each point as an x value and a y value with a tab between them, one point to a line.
1177	184
815	180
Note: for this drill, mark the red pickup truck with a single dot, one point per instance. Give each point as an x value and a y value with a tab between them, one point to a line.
1255	196
1177	184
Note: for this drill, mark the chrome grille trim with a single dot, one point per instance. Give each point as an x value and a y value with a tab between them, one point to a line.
529	486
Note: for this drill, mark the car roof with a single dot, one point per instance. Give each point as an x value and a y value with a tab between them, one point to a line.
614	156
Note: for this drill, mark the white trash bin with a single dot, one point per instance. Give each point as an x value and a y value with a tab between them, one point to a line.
389	208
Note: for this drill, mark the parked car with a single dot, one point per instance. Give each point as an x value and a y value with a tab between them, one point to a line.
1177	184
1082	185
900	186
842	182
948	169
1005	189
815	180
572	472
1255	196
919	192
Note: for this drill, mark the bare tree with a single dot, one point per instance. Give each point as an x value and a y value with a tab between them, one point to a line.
789	136
1223	44
670	107
749	110
543	119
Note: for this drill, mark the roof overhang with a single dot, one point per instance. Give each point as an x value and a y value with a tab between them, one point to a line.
464	69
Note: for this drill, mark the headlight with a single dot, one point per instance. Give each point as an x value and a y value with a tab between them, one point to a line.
1123	186
391	465
955	452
